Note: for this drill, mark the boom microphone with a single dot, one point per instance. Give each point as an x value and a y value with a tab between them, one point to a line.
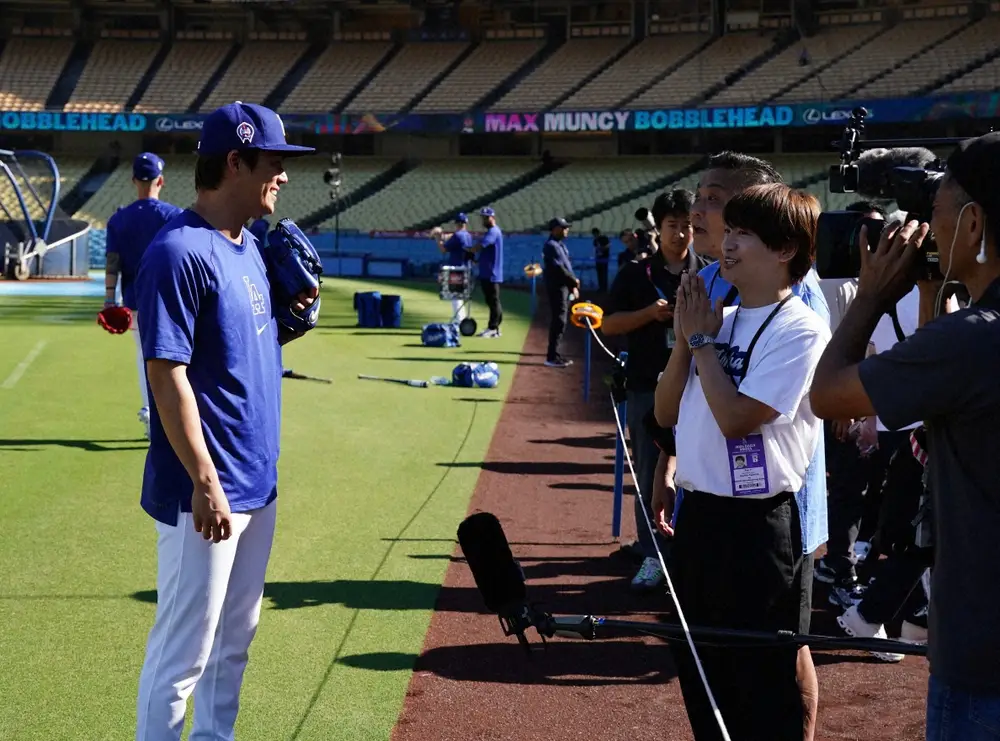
876	165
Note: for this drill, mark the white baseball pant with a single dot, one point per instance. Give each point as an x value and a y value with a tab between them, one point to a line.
208	605
140	363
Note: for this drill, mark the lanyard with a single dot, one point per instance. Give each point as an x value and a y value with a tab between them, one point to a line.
753	342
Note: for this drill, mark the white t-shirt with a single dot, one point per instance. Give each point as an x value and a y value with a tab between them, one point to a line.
839	292
781	370
884	336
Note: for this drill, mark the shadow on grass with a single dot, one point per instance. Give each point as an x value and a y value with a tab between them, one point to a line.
32	445
603	441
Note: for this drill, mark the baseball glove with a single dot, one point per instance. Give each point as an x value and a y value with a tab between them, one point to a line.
293	267
115	319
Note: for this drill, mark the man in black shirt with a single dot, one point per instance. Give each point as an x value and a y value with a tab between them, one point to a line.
641	306
602	256
561	284
945	375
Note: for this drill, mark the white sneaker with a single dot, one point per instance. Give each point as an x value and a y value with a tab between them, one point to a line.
854	625
144	418
649	576
490	333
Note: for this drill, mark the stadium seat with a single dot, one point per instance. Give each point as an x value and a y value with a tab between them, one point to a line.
433	188
185	72
881	53
333	75
637	68
973	42
566	68
723	57
71	169
255	72
29	69
405	76
486	67
113	70
984	78
784	69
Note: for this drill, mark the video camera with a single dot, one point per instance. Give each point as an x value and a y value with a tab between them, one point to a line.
646	238
910	175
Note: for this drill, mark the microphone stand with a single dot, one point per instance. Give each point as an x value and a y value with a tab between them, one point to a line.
592	628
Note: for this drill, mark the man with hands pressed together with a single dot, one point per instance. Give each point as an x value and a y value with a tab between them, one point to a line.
735	388
946	375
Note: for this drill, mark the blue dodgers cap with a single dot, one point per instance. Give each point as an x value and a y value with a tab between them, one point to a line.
557	222
147	167
246	126
487	212
461	219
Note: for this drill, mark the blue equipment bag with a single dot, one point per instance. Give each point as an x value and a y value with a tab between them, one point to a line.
476	375
392	311
440	335
369	308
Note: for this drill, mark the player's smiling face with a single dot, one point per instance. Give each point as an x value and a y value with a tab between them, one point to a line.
268	176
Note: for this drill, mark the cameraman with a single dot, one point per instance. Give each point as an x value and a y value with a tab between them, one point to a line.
640	306
946	376
602	256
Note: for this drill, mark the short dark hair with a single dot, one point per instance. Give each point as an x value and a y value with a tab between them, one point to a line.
677	202
750	170
867	207
782	217
209	169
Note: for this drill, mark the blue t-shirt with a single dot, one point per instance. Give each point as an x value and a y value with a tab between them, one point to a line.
259	230
129	232
491	256
205	302
457	248
812	498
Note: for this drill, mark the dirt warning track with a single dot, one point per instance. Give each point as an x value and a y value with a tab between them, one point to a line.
548	477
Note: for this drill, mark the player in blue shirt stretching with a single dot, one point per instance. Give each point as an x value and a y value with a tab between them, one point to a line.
129	232
212	344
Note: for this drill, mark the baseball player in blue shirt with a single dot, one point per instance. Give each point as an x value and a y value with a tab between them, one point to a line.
490	251
456	250
211	336
129	232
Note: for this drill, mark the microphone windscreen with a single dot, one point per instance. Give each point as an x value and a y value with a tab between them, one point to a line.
498	576
874	166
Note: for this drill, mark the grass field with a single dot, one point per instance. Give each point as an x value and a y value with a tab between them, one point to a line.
368	490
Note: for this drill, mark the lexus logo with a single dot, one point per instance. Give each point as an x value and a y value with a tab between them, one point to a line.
168	124
812	116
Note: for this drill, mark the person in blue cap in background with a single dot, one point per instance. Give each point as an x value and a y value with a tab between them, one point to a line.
456	249
490	252
562	286
213	351
129	232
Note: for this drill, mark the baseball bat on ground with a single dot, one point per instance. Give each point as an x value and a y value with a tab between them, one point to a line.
405	382
289	373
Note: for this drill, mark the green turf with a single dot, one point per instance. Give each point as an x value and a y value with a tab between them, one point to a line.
366	494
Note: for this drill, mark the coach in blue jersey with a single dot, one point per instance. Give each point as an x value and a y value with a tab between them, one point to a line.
129	232
490	251
212	347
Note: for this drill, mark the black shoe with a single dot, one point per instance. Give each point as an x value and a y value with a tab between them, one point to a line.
558	363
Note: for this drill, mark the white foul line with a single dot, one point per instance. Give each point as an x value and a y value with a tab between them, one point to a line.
16	374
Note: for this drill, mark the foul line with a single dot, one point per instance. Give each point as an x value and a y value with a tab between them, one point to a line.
16	374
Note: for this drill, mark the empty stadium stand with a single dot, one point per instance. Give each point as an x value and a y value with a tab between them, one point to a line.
569	66
878	55
975	41
405	76
71	169
984	77
785	69
431	189
113	70
723	57
257	69
184	73
337	71
487	66
637	68
29	70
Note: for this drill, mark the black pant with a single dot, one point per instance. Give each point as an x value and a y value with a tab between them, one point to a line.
738	563
602	276
895	590
855	487
491	293
559	306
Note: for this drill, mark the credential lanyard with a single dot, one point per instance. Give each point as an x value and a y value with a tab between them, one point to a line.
671	337
753	342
